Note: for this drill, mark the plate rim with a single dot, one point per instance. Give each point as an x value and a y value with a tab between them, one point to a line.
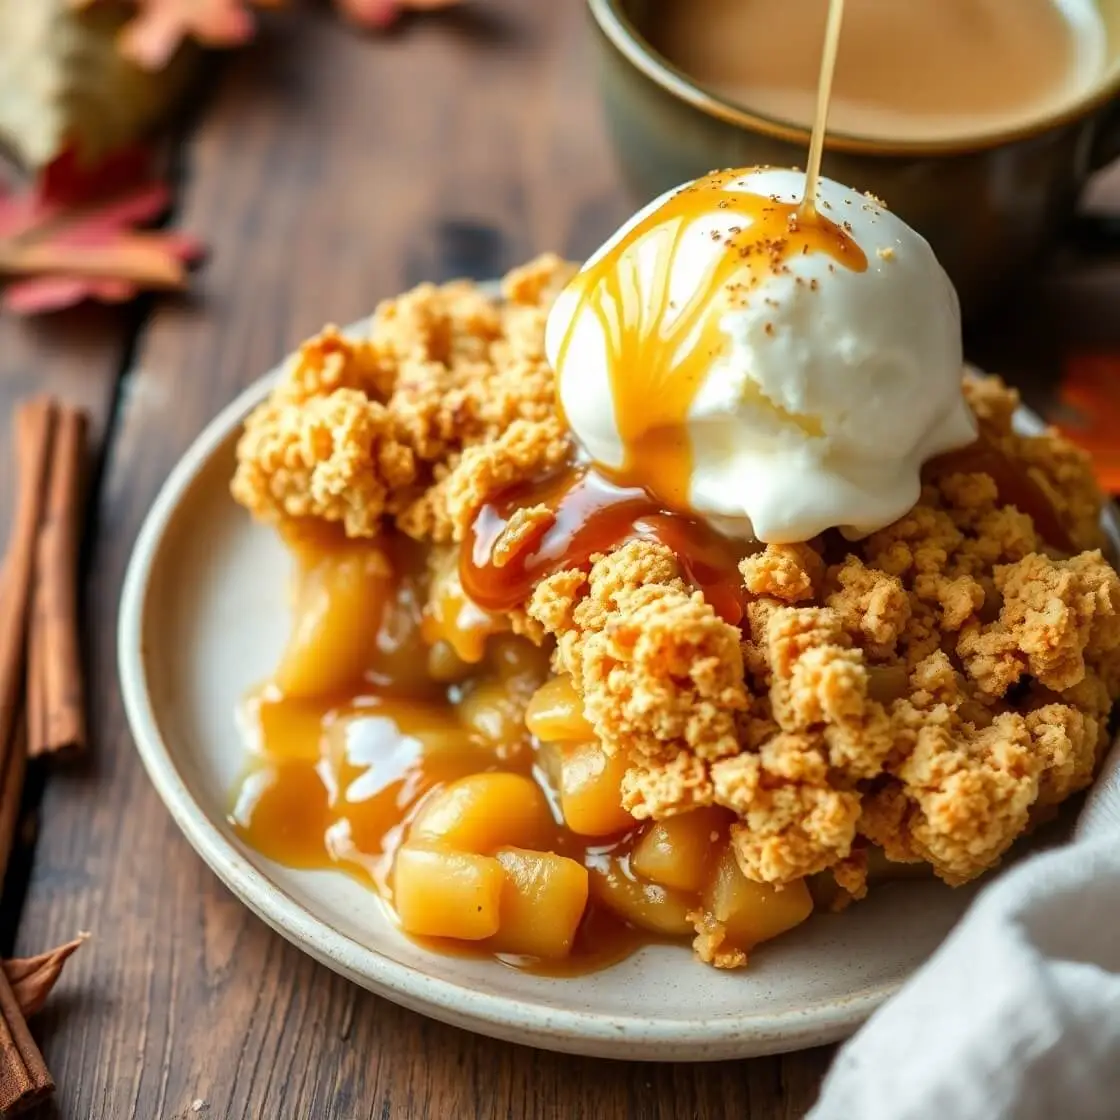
634	1037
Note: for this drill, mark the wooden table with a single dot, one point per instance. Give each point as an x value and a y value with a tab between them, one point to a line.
325	171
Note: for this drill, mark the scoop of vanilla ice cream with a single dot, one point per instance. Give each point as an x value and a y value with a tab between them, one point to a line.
831	388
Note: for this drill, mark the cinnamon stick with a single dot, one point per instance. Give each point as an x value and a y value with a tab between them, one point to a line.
12	770
34	428
56	694
33	978
35	714
24	1078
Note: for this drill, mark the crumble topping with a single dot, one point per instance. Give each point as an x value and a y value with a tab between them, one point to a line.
360	429
335	456
928	690
660	673
708	944
790	572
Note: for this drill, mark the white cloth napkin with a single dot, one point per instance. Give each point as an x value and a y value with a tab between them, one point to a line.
1017	1015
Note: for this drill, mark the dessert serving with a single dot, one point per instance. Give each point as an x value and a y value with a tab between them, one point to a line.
671	597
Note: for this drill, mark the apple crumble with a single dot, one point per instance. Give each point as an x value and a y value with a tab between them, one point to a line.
557	703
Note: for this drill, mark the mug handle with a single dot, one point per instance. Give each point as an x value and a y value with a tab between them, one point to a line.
1106	142
1097	234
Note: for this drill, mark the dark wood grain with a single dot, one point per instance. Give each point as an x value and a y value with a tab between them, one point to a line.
328	172
75	355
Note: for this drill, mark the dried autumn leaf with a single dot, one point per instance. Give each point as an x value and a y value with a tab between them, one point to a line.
33	978
1089	395
72	236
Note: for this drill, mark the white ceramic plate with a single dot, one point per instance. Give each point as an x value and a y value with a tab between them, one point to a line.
203	618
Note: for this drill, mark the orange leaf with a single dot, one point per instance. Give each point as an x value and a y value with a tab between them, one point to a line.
1089	398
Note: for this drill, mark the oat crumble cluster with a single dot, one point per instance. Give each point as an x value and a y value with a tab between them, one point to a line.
932	689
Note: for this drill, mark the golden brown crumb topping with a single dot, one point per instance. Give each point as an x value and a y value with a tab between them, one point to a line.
709	942
448	395
927	690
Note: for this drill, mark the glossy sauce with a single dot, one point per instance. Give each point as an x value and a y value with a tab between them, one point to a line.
592	514
336	788
659	352
824	102
333	782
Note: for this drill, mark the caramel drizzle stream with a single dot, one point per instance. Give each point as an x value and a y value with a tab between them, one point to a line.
824	99
659	353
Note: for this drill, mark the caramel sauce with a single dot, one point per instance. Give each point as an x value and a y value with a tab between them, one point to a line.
591	514
824	100
333	781
660	350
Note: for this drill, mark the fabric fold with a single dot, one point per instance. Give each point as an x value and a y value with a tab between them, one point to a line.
1017	1014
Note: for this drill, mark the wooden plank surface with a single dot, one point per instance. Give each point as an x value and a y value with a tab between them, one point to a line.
76	355
327	172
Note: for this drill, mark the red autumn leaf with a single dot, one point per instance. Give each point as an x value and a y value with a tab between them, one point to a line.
72	236
1089	396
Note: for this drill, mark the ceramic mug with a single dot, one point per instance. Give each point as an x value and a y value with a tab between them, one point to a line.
987	206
